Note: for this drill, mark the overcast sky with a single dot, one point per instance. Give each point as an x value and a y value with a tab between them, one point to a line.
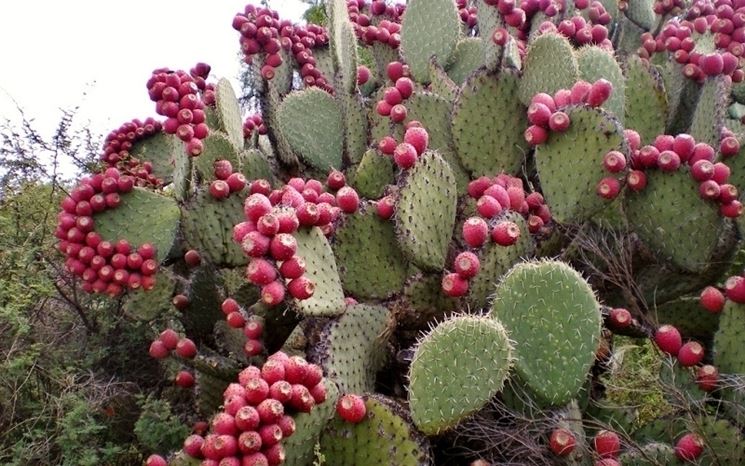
99	54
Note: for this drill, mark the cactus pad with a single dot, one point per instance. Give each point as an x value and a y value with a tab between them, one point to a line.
385	436
724	444
142	217
646	100
541	304
217	146
467	57
204	301
429	27
425	211
311	121
254	165
424	300
570	164
457	368
670	217
651	454
161	150
489	19
308	427
352	348
596	63
687	315
549	65
728	339
328	299
370	263
229	112
355	120
488	123
343	44
710	112
151	304
373	175
442	85
641	13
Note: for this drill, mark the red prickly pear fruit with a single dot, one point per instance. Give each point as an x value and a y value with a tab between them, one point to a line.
180	302
255	206
684	145
170	338
301	288
387	145
363	75
236	182
668	339
270	411
614	161
260	186
559	122
275	454
535	135
535	223
318	392
505	233
261	271
287	423
281	391
253	347
689	447
302	400
579	92
466	264
454	285
702	151
230	306
253	329
192	258
398	113
186	348
633	139
636	180
620	318
734	288
255	459
351	408
501	36
292	268
247	418
668	161
731	210
599	93
223	169
539	114
500	193
545	99
488	207
405	155
418	138
664	142
288	221
184	379
702	170
295	369
249	441
405	86
690	354
727	193
562	442
395	70
283	246
257	389
235	320
273	293
193	445
607	444
385	207
712	300
313	375
383	108
608	188
648	156
392	96
347	200
156	460
158	350
241	230
268	224
712	64
729	146
336	180
475	232
721	173
707	377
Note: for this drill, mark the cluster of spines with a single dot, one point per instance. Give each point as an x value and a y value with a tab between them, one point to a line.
254	123
119	142
273	216
176	96
103	266
394	97
546	113
262	32
252	326
228	182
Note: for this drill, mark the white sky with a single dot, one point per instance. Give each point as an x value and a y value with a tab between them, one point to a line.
52	52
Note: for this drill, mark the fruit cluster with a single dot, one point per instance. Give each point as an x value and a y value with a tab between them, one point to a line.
266	237
175	94
582	32
263	33
662	7
467	13
385	31
392	104
253	326
169	342
117	146
227	182
406	153
254	123
104	267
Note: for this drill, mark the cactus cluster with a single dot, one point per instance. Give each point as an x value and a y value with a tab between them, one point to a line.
448	208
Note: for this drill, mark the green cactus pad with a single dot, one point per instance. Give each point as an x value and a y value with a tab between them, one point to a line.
237	287
355	119
683	380
229	112
385	436
549	65
682	97
328	298
489	19
204	301
664	429
182	164
161	150
429	27
541	304
641	13
382	55
687	315
710	112
671	218
282	80
651	454
142	217
495	261
311	120
728	339
373	175
488	123
281	149
724	444
324	62
442	85
151	304
255	166
308	427
570	164
596	63
433	112
424	301
425	211
457	368
646	100
467	57
343	44
217	146
352	348
370	263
